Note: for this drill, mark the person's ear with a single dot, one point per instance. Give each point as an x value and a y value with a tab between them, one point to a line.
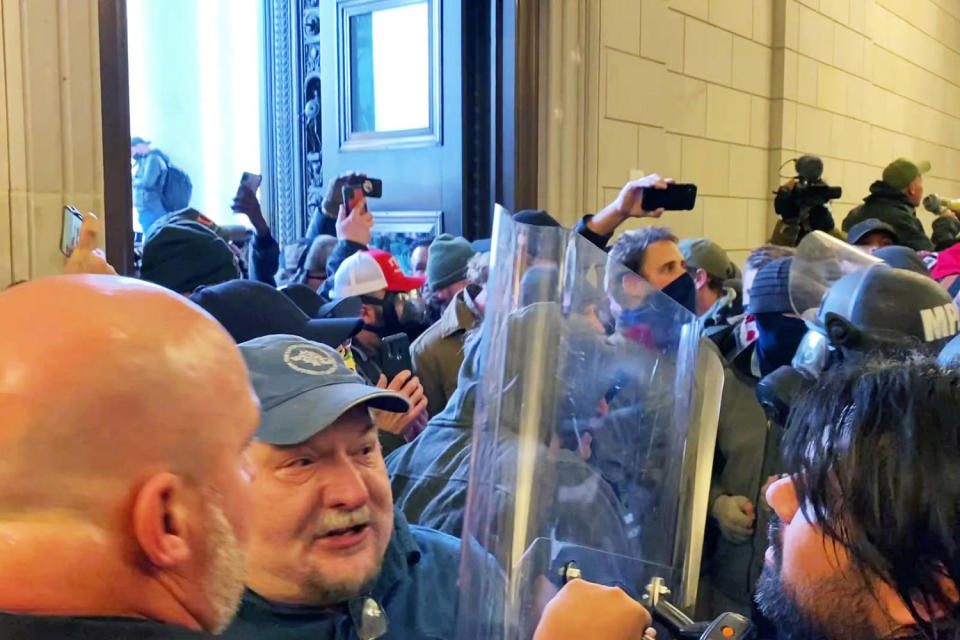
915	188
781	495
701	278
369	315
160	520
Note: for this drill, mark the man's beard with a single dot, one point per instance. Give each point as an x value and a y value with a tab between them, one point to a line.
781	608
227	561
834	608
327	591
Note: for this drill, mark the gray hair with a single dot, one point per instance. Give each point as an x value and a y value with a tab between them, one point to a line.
478	269
318	254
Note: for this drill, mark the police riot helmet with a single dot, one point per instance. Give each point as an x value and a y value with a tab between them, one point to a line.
870	310
882	306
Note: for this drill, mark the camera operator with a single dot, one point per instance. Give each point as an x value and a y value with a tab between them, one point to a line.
802	203
894	200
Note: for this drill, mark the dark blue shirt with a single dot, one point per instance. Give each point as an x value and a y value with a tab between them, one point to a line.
417	591
26	627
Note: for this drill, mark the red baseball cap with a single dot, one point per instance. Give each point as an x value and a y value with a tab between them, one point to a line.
396	279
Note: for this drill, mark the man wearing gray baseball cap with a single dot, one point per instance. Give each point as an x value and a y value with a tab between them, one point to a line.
329	557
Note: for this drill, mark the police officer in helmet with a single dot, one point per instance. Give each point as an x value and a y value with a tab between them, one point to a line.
874	310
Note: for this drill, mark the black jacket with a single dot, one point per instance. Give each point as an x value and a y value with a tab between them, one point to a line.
24	627
265	259
890	205
321	224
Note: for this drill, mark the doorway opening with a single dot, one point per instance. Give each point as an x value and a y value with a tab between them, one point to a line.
195	87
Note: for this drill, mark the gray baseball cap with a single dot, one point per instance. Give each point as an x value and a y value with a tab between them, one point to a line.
304	387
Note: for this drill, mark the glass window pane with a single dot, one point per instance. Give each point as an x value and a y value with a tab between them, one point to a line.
390	69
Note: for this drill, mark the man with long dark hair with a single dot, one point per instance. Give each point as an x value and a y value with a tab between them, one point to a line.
865	544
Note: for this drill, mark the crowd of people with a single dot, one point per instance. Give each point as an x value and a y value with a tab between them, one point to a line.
228	446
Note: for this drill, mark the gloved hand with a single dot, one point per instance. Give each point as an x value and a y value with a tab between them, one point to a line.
736	517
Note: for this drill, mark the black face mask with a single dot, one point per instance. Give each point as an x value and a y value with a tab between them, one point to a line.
684	290
411	319
779	337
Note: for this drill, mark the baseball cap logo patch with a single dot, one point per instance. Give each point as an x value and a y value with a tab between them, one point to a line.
309	360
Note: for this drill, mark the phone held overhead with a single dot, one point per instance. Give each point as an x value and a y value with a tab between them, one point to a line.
674	197
251	180
70	232
366	187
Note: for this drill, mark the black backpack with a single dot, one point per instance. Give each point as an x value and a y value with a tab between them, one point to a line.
177	187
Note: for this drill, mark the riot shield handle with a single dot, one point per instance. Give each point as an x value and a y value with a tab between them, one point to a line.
679	624
570	571
729	626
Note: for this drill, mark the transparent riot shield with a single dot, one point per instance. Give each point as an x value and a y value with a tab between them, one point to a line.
820	261
580	433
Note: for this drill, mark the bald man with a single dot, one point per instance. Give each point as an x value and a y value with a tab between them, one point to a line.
124	477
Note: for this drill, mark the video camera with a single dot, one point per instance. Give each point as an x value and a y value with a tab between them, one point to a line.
808	194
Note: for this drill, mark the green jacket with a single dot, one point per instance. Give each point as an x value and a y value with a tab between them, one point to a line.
438	353
747	453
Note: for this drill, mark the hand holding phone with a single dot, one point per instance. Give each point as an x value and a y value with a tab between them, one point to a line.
408	385
367	187
356	224
70	231
246	201
395	355
251	181
629	202
675	197
86	256
352	196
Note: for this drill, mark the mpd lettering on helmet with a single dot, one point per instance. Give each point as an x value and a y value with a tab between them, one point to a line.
940	322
